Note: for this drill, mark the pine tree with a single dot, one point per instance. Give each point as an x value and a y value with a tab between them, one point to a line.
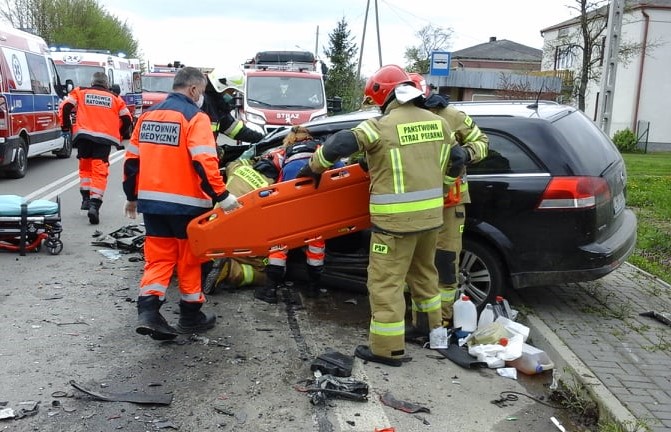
341	79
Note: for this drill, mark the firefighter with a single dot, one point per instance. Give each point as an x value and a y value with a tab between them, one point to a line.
298	146
217	106
407	151
171	175
476	145
102	121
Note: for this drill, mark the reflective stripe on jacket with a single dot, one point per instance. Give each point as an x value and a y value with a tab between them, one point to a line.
407	151
99	114
469	136
171	161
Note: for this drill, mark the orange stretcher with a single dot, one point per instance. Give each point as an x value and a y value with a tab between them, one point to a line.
288	214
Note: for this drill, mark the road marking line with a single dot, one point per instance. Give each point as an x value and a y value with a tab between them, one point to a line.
40	193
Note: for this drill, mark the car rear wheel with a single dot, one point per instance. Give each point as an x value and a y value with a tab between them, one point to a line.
66	150
481	275
18	168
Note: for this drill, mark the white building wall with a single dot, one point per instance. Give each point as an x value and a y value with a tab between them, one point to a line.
655	87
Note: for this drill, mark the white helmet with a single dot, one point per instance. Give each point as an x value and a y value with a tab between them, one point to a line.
218	80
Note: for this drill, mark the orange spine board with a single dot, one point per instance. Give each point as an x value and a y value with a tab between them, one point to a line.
289	214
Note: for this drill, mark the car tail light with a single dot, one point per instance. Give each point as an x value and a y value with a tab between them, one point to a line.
3	113
574	193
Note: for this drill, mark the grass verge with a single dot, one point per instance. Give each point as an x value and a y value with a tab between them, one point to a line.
649	196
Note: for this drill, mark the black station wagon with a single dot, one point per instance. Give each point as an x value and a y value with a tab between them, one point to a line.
548	203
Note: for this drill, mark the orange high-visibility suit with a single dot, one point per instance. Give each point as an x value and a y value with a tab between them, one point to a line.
171	170
99	112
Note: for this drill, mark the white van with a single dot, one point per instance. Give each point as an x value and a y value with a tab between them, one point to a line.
30	91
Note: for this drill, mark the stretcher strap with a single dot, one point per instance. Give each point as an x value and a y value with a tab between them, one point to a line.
24	228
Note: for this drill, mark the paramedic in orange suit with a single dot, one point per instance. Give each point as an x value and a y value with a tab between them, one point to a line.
97	130
171	175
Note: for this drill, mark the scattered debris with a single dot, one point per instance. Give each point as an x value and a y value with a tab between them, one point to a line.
333	363
388	399
164	424
134	397
557	424
27	408
663	317
7	413
351	301
325	386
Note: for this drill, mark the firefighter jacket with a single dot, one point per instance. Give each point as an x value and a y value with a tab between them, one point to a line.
241	177
171	164
102	117
407	151
469	136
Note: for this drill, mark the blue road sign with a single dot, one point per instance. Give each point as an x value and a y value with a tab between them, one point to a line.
440	63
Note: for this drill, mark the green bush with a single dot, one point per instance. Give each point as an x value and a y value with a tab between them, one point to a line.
626	141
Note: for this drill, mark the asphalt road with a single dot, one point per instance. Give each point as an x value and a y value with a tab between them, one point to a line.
71	317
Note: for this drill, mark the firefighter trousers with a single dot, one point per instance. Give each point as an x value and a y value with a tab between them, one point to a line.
447	256
166	248
93	167
394	260
243	271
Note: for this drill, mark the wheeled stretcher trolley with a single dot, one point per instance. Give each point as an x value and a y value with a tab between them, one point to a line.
27	225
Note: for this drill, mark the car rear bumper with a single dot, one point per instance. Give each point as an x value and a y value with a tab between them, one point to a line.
591	261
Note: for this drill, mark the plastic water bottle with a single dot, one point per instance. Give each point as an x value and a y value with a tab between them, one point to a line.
465	314
504	306
532	361
486	316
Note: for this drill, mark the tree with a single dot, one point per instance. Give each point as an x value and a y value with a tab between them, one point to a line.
342	79
73	23
587	45
431	39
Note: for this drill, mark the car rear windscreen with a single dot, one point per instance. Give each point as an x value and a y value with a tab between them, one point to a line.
586	140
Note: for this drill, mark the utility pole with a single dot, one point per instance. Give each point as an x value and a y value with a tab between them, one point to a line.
613	32
363	39
317	43
377	28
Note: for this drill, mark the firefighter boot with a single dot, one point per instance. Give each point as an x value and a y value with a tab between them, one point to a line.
315	288
86	199
150	321
192	319
268	292
94	209
419	332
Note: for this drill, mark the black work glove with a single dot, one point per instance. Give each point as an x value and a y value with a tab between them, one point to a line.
306	171
459	157
363	163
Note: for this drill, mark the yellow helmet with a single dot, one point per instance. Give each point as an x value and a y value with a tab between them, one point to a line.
218	80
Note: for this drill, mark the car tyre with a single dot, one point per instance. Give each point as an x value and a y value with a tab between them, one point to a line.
19	167
66	150
481	273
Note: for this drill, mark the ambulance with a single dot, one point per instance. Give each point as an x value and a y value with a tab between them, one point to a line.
76	67
30	91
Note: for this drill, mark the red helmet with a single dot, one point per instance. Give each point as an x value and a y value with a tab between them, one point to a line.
420	83
383	82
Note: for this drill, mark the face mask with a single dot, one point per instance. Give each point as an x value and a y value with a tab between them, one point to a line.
199	102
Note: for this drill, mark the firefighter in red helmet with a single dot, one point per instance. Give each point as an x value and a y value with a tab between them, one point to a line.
407	152
475	145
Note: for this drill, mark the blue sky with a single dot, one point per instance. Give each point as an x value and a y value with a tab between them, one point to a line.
223	34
